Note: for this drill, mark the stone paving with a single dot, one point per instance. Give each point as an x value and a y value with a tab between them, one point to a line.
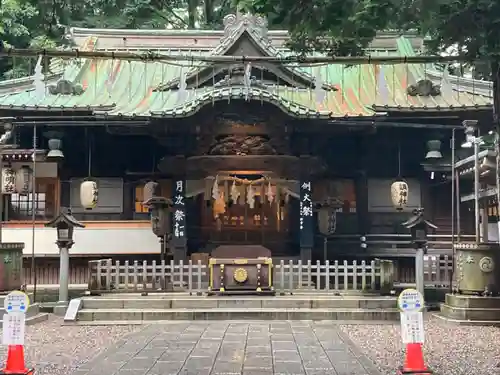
227	348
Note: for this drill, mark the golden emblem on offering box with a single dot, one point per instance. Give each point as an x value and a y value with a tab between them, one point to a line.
240	275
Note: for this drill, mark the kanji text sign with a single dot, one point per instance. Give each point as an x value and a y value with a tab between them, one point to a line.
179	210
306	224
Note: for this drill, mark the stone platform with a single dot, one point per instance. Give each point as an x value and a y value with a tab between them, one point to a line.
134	308
471	309
33	315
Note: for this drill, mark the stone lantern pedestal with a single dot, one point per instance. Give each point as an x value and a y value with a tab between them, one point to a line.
477	276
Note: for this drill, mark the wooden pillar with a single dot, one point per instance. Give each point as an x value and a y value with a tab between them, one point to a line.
361	186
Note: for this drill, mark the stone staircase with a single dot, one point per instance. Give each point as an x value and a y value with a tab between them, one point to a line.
131	308
33	314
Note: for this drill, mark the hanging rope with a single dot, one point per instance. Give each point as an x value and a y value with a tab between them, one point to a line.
293	59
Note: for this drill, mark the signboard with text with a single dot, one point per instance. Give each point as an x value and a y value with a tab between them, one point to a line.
410	303
179	212
16	305
306	217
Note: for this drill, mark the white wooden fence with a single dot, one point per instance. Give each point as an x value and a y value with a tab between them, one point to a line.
108	276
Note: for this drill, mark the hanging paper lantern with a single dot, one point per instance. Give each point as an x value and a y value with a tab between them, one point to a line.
8	181
88	194
399	194
23	180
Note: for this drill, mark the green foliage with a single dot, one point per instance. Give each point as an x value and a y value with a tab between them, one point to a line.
43	23
339	27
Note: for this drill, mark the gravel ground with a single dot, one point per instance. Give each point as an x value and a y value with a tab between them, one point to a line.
56	350
449	349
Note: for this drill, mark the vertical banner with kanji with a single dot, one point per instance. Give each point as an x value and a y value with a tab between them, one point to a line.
306	215
179	212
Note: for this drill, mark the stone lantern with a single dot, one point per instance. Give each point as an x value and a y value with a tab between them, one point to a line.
419	227
65	223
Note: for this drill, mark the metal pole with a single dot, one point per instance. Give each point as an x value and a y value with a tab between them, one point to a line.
476	191
33	214
497	175
452	208
457	198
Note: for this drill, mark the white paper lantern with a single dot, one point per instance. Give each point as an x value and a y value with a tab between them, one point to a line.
399	194
24	180
88	194
8	181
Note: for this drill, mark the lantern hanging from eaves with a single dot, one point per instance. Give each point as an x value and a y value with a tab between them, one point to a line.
399	194
89	194
24	180
8	180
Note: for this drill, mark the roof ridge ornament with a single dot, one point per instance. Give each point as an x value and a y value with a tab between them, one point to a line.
255	24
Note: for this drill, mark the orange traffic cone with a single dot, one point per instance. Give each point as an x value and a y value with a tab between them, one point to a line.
414	360
15	364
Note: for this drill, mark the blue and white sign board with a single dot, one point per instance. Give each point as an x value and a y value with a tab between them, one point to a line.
14	321
411	302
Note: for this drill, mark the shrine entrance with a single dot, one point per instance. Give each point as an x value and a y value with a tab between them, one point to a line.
248	209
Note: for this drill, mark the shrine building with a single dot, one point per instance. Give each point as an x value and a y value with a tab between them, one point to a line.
297	159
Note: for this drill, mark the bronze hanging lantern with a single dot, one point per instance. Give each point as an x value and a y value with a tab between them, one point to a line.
327	216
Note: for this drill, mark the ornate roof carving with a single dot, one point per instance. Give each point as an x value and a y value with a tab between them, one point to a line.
257	24
424	87
242	145
65	87
246	35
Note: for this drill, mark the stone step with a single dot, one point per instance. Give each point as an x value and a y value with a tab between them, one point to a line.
38	318
278	302
89	315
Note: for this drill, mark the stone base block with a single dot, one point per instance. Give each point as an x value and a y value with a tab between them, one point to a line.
471	308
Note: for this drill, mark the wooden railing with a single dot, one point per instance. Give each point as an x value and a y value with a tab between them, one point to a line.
437	273
289	277
48	274
376	275
108	276
393	245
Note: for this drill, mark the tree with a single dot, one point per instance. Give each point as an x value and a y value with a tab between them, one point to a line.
337	27
42	23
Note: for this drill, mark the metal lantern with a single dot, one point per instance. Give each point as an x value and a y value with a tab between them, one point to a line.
327	216
151	189
8	181
399	194
24	180
434	149
89	194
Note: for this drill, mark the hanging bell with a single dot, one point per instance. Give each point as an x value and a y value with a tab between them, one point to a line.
89	194
23	180
399	194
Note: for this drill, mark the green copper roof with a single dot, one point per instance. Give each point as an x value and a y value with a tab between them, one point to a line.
129	89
